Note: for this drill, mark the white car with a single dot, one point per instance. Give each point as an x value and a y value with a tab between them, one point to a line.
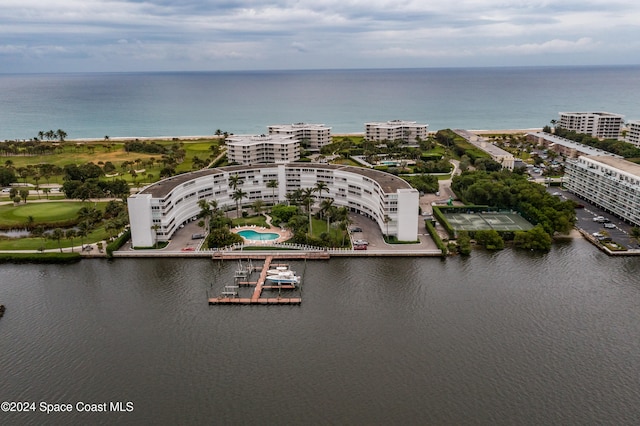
609	225
361	242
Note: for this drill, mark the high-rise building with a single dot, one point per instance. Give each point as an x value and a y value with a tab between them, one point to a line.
603	125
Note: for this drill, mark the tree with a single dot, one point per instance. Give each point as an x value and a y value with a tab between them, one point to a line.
7	176
489	239
535	239
386	219
320	187
205	213
84	228
57	235
155	228
257	206
342	215
308	199
273	185
635	233
235	181
237	196
30	221
326	208
61	135
24	193
70	234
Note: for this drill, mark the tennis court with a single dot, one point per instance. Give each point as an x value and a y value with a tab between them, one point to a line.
487	220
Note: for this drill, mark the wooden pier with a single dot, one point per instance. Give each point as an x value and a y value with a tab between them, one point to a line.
256	298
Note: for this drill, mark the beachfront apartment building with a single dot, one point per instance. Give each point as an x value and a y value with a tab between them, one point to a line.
610	183
258	149
565	147
633	132
603	125
405	131
158	210
311	136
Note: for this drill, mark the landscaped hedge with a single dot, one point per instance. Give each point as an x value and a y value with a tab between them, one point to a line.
118	242
437	214
49	257
436	238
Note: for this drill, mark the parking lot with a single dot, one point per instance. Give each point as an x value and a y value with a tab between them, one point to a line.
585	216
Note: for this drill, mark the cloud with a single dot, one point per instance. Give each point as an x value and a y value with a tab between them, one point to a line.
247	34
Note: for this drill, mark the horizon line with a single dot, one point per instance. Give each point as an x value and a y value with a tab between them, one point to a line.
212	71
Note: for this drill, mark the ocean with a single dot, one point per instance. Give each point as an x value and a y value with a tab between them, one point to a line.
95	105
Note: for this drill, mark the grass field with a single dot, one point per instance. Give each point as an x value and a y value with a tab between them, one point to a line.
98	234
48	212
102	152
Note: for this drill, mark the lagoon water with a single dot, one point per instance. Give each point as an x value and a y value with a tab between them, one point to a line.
497	338
173	104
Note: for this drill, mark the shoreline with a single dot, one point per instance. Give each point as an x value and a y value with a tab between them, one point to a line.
199	137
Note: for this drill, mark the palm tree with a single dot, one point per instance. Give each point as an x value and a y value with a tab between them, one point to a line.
235	181
257	206
308	198
321	186
326	207
155	228
30	221
386	221
294	197
70	234
342	215
635	233
205	212
273	184
61	135
83	230
57	235
237	197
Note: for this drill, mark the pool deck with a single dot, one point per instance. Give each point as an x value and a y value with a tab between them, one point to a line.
283	235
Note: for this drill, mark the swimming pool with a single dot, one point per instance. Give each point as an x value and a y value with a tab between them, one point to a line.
250	234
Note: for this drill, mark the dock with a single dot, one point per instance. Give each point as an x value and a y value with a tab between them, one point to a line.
231	297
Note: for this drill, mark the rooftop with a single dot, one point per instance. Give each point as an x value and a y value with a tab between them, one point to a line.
388	182
618	163
584	149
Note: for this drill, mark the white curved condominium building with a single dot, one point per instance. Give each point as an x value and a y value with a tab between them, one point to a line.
156	212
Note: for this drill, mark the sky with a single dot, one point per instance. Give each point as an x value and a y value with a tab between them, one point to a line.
208	35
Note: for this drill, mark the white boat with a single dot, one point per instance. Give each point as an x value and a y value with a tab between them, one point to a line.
288	277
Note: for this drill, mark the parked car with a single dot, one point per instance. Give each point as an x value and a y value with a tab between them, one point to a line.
360	247
609	225
356	229
361	242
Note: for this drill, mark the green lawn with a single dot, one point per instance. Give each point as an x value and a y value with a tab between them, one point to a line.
49	212
98	234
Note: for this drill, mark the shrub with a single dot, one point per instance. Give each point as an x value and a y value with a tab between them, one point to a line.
39	257
118	242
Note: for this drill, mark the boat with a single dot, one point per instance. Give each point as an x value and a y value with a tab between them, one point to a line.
284	277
